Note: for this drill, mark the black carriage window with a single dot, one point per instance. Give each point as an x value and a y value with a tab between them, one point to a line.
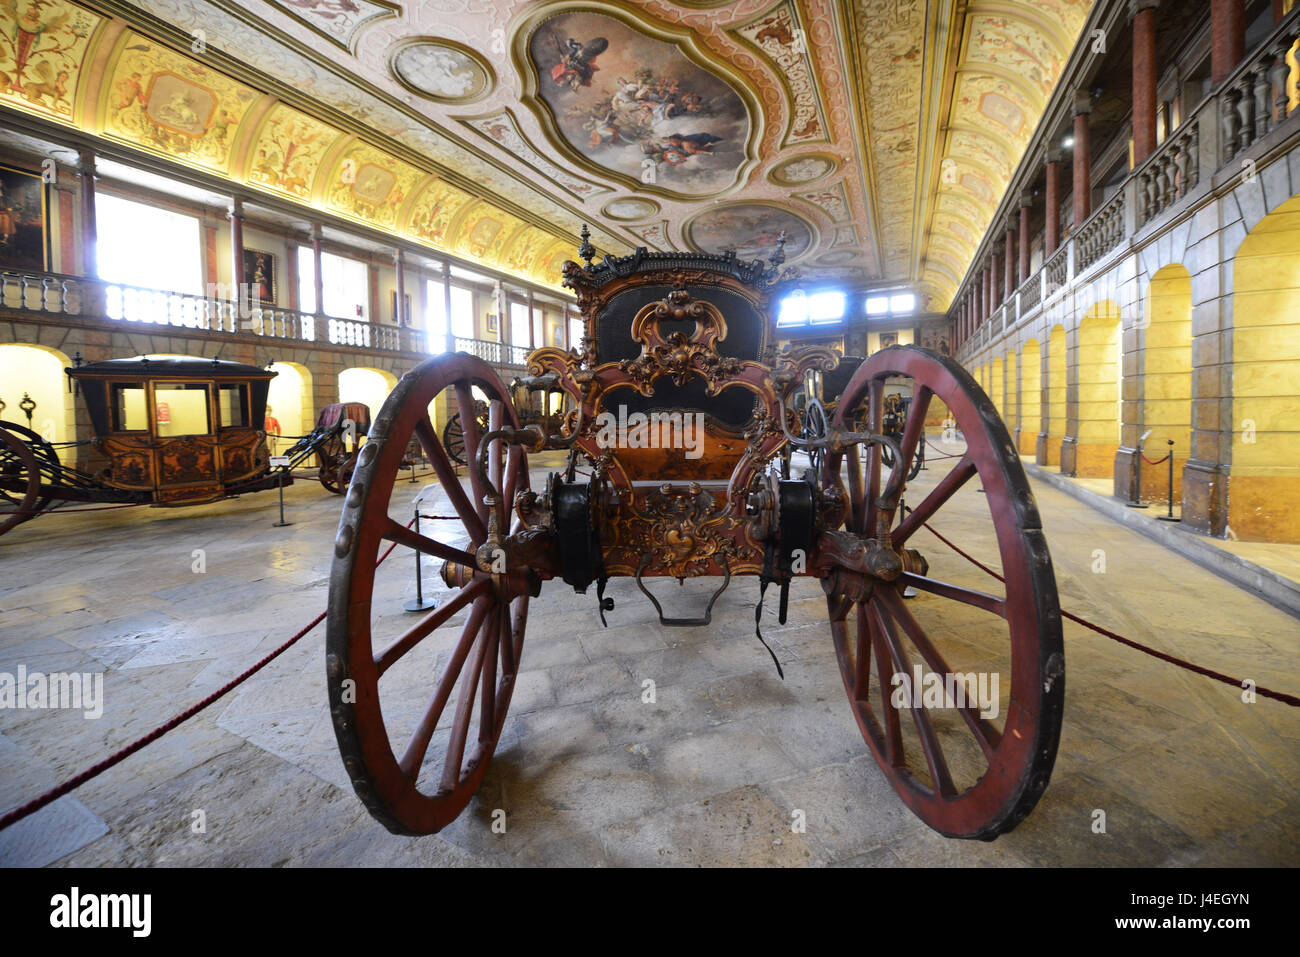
181	409
130	413
232	406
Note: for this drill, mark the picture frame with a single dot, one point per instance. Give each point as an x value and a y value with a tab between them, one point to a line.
397	317
259	273
888	339
493	324
557	334
24	219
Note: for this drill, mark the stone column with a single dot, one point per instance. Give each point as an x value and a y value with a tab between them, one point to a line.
1025	206
532	324
1082	158
446	306
291	278
399	283
236	215
986	303
318	276
1227	37
1144	78
1052	202
89	228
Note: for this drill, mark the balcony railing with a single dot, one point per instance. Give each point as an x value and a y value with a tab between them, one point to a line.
494	353
1252	103
55	294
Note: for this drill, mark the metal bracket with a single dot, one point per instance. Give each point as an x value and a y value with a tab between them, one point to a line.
682	622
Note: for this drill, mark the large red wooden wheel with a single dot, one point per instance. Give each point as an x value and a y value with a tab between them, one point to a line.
964	773
418	707
20	482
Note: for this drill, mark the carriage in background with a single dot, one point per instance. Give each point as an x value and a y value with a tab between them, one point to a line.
418	708
167	431
532	397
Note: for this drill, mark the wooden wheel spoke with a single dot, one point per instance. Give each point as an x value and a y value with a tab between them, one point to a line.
893	727
514	465
985	733
875	414
915	426
394	531
968	596
947	487
419	743
468	422
857	514
450	482
507	643
930	746
428	625
862	656
487	715
465	707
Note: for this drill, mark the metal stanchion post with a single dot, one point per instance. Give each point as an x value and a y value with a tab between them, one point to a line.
281	523
419	602
1170	516
1137	478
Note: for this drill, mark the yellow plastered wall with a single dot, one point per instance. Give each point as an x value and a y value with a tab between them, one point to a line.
370	386
1056	384
1098	378
995	386
1031	393
1010	400
37	372
1167	378
1264	485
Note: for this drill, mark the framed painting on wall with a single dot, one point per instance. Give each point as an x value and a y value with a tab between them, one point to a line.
259	273
557	334
888	339
24	220
406	313
492	324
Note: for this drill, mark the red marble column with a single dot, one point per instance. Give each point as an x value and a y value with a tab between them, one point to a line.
236	214
1144	78
89	229
1025	258
1012	260
986	305
318	278
1052	202
1082	159
399	268
1227	37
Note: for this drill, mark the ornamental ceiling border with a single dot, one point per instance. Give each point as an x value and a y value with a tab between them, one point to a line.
797	55
349	43
401	115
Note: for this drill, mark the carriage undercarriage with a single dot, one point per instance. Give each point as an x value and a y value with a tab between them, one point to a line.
642	512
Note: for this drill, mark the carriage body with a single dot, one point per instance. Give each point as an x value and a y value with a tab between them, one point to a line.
679	412
176	431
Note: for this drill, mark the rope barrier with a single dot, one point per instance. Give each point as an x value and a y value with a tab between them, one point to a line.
1288	699
76	781
1151	462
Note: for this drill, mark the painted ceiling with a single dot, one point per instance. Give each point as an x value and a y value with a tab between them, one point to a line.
878	135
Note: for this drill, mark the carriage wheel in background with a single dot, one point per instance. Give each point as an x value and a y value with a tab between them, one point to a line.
964	773
416	761
453	439
20	481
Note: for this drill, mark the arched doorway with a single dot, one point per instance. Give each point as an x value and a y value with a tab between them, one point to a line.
1010	394
1056	387
1167	378
36	373
997	387
366	385
1098	377
1031	396
289	403
1264	480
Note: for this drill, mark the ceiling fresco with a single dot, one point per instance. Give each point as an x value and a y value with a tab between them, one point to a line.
879	134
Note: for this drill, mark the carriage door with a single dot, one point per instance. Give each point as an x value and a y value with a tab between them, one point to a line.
185	447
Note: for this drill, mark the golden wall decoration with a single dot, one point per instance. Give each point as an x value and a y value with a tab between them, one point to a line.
287	153
42	46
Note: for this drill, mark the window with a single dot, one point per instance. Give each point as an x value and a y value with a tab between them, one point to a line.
896	305
819	308
519	324
141	245
462	312
232	406
182	409
436	314
126	402
306	279
576	331
345	283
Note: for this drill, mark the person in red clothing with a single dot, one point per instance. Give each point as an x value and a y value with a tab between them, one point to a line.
272	428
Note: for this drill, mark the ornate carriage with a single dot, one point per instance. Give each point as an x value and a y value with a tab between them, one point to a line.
674	341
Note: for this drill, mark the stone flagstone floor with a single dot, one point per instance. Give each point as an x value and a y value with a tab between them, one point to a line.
588	774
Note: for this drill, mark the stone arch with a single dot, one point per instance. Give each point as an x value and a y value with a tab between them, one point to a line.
37	371
1049	452
1097	408
1264	480
366	384
290	401
1031	396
